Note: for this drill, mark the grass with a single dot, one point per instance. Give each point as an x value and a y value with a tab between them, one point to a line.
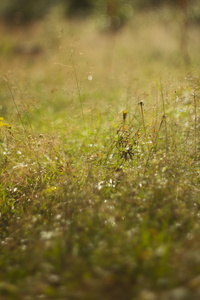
99	179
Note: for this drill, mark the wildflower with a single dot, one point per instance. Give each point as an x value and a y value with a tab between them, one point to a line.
2	124
124	115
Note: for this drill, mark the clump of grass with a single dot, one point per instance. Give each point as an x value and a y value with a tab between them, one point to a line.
102	218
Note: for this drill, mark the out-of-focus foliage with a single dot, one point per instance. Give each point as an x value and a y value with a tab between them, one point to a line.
22	11
78	7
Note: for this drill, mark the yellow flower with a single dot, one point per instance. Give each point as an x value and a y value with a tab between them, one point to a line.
124	115
2	124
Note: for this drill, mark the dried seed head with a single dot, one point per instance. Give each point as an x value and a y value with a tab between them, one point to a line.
141	103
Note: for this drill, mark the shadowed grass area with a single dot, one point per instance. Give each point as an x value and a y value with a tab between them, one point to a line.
100	169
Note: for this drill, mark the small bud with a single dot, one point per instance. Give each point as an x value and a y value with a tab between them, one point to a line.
124	115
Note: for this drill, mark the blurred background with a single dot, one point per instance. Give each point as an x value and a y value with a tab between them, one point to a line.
116	49
23	12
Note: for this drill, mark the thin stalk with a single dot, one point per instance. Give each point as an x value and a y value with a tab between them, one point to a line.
175	122
15	104
154	146
163	117
78	88
195	125
24	129
164	112
145	133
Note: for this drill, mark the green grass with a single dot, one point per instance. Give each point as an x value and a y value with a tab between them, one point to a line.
94	205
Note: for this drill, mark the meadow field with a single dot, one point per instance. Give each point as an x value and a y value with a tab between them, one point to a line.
100	159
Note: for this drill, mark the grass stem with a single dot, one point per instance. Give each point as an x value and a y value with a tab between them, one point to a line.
24	129
195	125
145	133
78	88
164	112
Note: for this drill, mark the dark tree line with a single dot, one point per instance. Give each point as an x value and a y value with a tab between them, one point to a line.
22	11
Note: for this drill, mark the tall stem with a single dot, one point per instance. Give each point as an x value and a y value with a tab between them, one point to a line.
78	88
195	125
145	133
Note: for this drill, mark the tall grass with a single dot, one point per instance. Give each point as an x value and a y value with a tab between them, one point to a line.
116	214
